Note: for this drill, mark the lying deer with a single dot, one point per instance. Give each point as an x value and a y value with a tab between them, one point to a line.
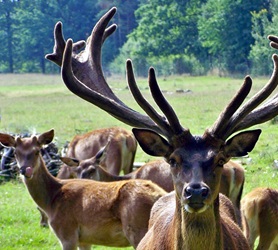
122	148
192	216
157	171
84	212
260	209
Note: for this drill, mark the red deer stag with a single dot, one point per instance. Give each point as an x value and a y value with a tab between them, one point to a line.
260	209
121	149
84	212
189	218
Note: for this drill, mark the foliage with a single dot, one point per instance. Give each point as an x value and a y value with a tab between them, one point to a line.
175	36
225	28
264	24
166	36
28	30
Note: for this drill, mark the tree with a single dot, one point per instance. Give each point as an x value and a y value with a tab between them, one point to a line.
166	31
226	31
264	24
34	33
7	22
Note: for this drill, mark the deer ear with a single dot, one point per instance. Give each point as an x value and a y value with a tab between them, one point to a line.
7	140
242	143
46	137
71	162
101	155
151	142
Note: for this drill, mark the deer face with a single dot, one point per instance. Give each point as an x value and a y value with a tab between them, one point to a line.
27	154
196	162
27	150
196	171
87	170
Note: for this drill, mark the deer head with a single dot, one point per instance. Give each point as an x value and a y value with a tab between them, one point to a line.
27	150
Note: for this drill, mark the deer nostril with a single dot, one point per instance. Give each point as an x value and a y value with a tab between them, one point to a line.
204	192
188	192
197	191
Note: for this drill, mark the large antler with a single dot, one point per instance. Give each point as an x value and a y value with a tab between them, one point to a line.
82	74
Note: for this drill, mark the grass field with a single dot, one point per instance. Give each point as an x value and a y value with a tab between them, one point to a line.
41	102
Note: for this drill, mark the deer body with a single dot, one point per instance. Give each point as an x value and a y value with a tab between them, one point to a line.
85	212
121	148
260	209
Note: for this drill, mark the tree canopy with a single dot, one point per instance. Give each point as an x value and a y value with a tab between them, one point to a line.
176	36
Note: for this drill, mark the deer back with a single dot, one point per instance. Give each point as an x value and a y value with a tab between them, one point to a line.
120	151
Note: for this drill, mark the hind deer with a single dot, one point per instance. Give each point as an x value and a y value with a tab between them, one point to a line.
157	171
192	216
84	212
260	209
121	148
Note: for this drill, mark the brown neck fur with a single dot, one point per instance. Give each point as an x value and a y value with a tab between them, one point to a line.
42	186
197	231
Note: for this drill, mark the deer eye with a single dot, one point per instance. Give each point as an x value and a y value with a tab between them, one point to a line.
173	163
221	163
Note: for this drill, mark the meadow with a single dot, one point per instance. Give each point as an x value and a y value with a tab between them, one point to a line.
37	103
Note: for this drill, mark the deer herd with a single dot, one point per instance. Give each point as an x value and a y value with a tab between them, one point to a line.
189	199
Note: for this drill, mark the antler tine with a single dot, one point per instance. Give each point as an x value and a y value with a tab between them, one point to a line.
221	124
164	105
100	31
267	111
144	104
273	41
244	117
117	109
59	45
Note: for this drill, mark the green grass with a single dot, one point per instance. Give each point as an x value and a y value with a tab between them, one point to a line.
41	102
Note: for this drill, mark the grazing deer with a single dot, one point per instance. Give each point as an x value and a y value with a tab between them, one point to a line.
192	217
260	209
84	212
157	171
122	148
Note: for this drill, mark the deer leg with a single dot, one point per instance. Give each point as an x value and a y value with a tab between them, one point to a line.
68	237
274	245
266	228
266	239
128	163
113	162
135	227
253	234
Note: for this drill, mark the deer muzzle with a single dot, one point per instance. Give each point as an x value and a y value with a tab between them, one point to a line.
194	197
26	171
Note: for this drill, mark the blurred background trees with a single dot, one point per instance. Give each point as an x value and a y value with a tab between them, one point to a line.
175	36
